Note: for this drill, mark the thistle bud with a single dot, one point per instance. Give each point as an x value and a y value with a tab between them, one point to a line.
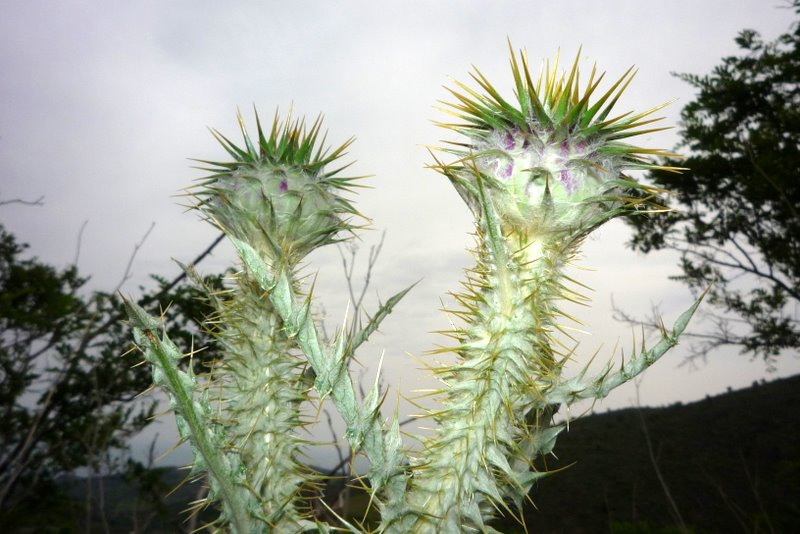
554	163
279	195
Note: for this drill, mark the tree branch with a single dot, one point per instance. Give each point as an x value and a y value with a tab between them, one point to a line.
38	202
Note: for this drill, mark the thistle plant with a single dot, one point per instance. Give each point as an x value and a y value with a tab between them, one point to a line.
539	175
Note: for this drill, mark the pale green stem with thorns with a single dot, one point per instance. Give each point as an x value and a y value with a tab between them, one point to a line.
364	422
539	176
261	381
506	385
495	396
195	421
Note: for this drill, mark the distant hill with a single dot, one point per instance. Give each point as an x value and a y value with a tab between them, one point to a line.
731	463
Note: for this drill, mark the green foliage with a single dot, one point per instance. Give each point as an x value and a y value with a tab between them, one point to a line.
42	321
736	223
67	396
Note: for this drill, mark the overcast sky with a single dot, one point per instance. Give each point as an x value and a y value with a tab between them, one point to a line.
103	103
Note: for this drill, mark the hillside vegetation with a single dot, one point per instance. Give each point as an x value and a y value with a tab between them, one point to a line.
730	463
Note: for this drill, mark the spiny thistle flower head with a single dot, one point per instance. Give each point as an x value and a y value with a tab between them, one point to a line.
278	193
554	162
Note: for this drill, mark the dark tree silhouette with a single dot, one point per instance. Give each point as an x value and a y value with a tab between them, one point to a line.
736	224
68	397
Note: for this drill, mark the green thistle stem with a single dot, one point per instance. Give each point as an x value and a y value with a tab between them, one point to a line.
575	389
193	419
260	378
365	429
495	396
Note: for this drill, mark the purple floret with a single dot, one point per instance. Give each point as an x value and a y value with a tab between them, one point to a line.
568	180
508	141
505	171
